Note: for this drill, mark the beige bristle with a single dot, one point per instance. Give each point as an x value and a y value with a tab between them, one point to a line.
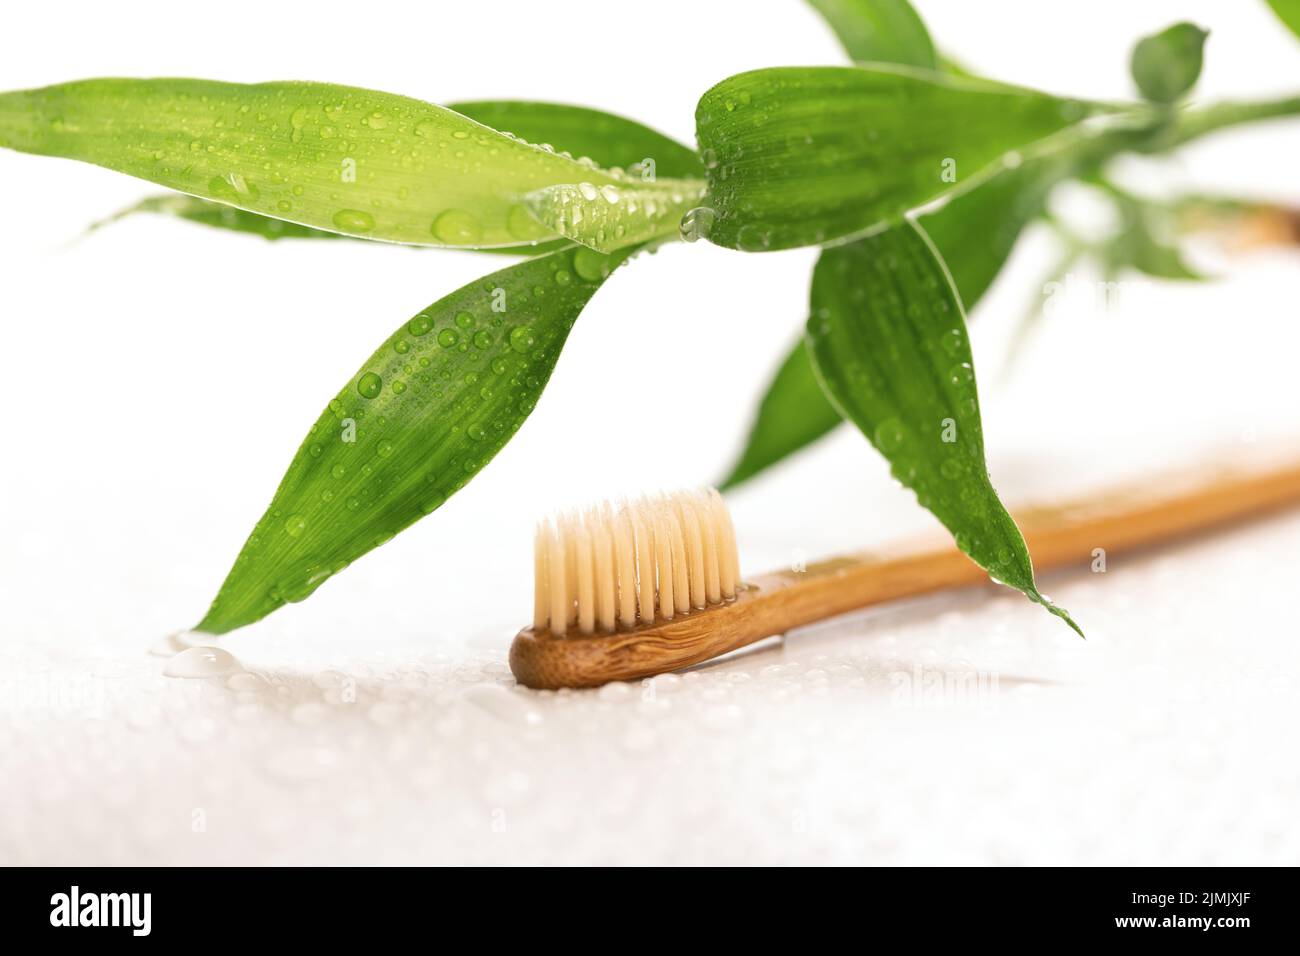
611	567
555	579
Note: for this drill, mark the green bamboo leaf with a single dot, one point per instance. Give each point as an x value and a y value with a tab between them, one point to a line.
1165	66
1288	11
806	155
346	160
420	418
975	231
881	31
610	141
793	414
218	216
888	341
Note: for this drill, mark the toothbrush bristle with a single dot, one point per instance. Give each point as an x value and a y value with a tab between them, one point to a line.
634	563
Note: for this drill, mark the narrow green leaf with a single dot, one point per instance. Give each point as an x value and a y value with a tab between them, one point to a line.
1166	65
975	231
794	413
1288	11
1139	247
610	141
353	161
806	155
420	418
880	31
888	341
219	216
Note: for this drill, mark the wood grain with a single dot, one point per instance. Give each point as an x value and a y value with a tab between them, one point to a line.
1159	510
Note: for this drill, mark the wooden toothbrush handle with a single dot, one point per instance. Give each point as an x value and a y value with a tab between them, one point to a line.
1158	510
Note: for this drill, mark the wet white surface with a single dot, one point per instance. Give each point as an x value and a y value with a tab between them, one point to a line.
963	729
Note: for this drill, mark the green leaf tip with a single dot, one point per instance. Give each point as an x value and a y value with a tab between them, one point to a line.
1166	65
424	414
880	31
794	413
888	341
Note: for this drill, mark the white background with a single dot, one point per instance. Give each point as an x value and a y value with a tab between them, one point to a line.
158	377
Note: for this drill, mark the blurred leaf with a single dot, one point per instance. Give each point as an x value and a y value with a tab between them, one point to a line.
346	160
793	413
888	341
879	31
975	231
1138	249
1288	11
806	155
1166	65
420	418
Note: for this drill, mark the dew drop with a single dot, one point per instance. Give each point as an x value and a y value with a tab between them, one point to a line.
590	265
457	227
522	339
448	337
202	662
697	223
354	220
369	385
294	525
889	435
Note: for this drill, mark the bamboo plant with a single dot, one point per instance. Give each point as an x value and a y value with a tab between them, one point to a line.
915	177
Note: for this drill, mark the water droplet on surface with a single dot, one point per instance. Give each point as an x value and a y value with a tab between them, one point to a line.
354	220
889	435
369	385
590	265
448	337
522	339
294	525
457	227
202	662
420	325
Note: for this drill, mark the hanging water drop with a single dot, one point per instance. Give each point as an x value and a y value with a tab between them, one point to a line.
697	223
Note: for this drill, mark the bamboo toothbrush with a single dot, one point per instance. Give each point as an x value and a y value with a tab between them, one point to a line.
629	591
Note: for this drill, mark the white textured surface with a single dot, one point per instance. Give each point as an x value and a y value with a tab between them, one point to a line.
157	377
